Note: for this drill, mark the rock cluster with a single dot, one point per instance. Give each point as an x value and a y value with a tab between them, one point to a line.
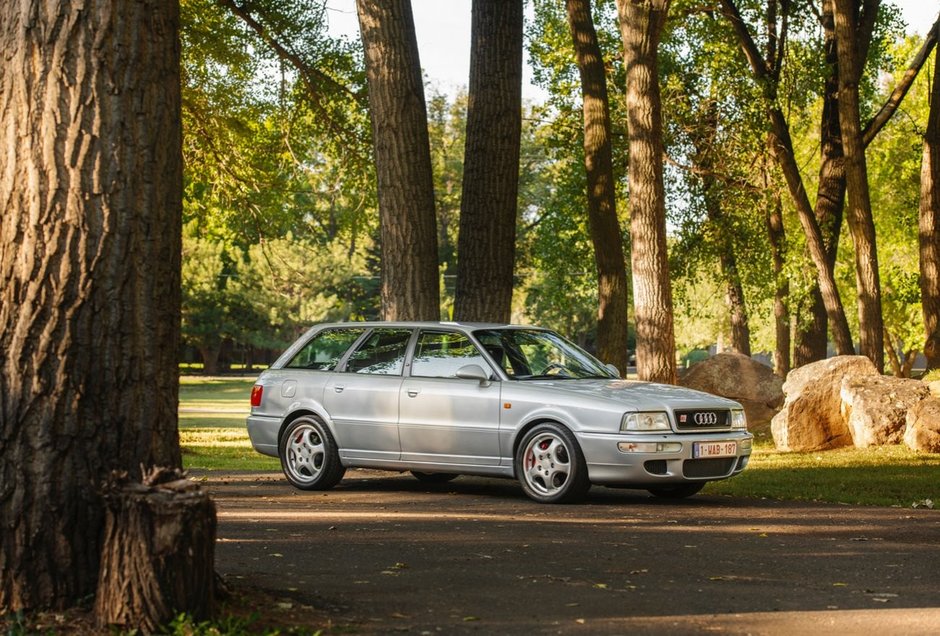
844	401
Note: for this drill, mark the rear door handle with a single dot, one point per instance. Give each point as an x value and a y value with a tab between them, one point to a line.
339	388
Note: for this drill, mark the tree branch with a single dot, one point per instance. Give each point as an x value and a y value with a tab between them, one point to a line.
876	123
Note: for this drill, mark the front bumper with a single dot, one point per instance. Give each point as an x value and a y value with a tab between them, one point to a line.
645	466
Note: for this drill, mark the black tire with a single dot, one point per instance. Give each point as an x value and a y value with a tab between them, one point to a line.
434	478
679	491
309	457
550	465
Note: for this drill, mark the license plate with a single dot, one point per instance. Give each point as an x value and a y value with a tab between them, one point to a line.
714	449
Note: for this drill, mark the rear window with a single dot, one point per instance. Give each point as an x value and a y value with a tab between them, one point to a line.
324	351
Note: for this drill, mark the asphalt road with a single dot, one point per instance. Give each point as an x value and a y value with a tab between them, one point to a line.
383	553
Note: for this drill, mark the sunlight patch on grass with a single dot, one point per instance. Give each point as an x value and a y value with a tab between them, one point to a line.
222	449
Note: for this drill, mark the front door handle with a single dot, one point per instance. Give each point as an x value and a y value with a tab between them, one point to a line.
413	392
339	388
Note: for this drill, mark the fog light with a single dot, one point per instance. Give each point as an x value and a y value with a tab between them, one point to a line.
649	447
744	444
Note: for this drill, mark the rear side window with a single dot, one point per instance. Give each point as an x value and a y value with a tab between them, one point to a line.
382	353
325	349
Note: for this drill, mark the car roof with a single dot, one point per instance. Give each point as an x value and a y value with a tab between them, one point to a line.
424	323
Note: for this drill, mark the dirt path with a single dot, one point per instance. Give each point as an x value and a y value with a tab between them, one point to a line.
383	553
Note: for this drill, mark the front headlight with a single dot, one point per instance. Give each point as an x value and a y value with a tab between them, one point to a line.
738	419
648	422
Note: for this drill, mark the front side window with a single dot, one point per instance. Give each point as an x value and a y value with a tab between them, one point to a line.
324	351
381	353
531	354
439	355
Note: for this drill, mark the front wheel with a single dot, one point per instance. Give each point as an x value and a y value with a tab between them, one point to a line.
550	465
680	491
309	457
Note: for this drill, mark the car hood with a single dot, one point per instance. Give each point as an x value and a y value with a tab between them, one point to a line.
631	394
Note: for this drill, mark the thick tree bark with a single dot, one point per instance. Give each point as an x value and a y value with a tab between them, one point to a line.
486	245
858	213
781	146
641	25
410	281
929	225
157	558
90	209
601	196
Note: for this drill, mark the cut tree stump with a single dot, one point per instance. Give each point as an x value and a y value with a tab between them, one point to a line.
157	557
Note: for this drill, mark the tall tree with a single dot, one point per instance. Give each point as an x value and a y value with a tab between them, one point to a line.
929	225
641	25
767	71
486	243
601	194
811	332
410	281
850	17
91	185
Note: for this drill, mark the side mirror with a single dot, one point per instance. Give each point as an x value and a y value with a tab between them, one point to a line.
474	372
613	369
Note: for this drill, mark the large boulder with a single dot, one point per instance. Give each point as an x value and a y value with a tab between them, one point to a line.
741	378
923	426
811	417
875	407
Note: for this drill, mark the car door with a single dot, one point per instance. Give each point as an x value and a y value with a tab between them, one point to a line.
362	399
445	419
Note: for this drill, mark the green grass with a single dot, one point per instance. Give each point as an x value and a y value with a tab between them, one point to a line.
880	476
212	424
213	436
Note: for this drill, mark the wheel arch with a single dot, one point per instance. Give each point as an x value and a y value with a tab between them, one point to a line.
300	412
523	430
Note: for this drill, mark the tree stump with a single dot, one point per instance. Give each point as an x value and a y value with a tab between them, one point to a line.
157	557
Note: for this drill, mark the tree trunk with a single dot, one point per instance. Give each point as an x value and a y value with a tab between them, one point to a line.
929	225
859	214
812	343
157	556
704	138
737	308
641	25
776	232
410	281
486	244
602	209
90	243
210	359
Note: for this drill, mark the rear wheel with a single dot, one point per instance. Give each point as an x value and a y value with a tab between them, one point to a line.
679	491
550	465
309	457
434	478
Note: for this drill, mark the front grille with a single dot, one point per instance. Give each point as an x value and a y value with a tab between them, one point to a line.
703	419
720	467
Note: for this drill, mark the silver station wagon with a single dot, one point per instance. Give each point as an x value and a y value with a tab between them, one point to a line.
448	399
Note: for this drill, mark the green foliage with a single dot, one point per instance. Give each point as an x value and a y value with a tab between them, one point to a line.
278	197
229	625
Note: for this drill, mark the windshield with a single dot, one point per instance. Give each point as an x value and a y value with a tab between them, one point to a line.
531	354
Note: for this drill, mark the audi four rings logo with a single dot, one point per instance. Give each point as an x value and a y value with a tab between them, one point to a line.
705	419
